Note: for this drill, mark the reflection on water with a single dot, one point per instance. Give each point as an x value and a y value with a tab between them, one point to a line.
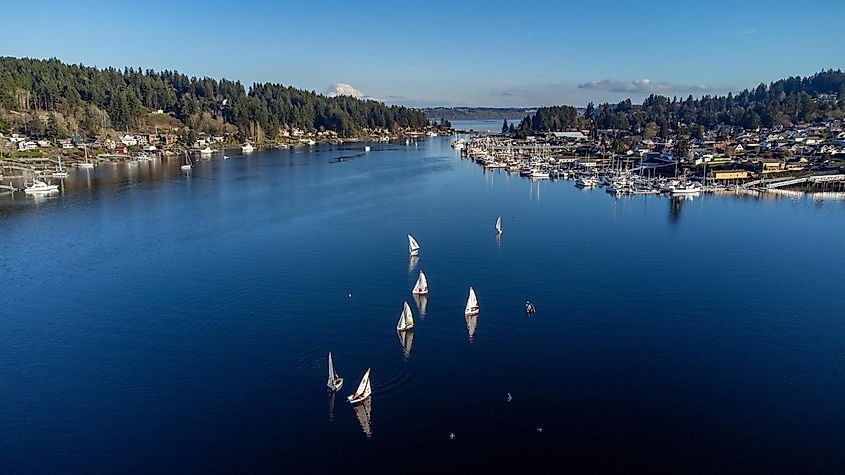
363	412
472	322
247	269
406	339
421	300
332	396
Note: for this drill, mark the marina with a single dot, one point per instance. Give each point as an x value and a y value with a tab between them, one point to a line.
619	175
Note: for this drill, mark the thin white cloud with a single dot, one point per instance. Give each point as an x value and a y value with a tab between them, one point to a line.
641	86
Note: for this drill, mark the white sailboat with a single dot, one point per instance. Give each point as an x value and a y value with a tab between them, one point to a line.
60	172
364	390
406	320
406	339
472	303
499	225
87	163
363	412
335	382
413	246
187	165
421	286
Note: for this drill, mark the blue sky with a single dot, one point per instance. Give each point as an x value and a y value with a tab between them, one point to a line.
483	53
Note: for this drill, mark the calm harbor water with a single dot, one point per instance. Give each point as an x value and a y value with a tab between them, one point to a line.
159	321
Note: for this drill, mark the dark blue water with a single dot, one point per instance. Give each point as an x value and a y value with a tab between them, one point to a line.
156	322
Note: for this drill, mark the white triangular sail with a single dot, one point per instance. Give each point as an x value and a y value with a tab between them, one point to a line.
499	225
332	374
406	320
421	286
364	389
413	246
472	303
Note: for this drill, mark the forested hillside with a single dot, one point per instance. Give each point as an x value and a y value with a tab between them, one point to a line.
82	99
784	102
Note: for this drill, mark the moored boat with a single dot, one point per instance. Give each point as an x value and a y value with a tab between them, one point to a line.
38	187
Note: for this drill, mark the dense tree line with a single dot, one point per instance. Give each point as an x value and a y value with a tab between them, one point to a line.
784	102
93	99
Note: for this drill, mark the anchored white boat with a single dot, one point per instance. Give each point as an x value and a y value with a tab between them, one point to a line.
39	187
585	182
206	151
538	174
472	303
413	246
406	320
685	189
499	225
335	382
87	163
247	148
364	390
421	286
366	148
60	172
187	165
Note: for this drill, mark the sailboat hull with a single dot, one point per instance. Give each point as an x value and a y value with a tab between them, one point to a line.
357	400
336	385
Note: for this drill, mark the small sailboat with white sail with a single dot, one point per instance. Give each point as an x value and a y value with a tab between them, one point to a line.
421	287
406	320
472	303
499	225
335	382
413	246
363	391
60	172
187	165
87	163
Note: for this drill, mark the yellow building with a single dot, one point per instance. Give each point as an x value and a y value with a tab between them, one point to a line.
730	174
